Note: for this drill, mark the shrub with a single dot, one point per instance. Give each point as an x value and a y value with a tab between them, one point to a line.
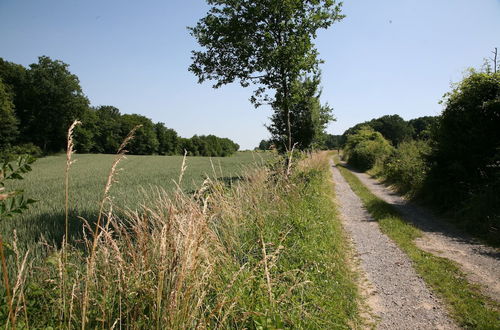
14	152
366	148
466	158
407	166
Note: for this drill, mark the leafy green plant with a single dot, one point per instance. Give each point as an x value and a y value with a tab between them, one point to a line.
407	167
14	202
366	148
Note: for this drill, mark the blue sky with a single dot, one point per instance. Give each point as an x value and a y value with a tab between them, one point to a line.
385	57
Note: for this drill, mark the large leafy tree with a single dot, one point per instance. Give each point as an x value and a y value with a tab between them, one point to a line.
465	175
308	117
54	100
265	42
467	147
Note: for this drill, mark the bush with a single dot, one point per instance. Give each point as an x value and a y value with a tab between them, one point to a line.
407	166
366	148
14	152
465	169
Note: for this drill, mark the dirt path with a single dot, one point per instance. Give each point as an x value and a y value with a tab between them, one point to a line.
398	296
481	263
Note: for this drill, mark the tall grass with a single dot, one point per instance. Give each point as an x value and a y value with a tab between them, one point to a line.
266	251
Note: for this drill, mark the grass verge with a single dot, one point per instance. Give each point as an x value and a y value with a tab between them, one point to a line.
466	304
264	253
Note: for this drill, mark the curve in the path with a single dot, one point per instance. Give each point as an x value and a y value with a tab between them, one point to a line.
481	263
402	300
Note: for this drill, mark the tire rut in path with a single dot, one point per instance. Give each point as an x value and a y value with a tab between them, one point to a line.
480	263
401	299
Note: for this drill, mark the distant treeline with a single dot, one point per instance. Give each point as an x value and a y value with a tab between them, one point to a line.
327	142
38	104
451	161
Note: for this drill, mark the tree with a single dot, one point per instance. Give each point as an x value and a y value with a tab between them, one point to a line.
168	140
332	141
54	100
265	144
465	175
467	147
423	126
307	116
392	127
8	121
86	133
145	141
266	42
108	135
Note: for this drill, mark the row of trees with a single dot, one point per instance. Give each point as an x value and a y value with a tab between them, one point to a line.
327	142
396	129
37	105
452	160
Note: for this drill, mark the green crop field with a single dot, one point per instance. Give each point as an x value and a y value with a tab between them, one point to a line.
138	177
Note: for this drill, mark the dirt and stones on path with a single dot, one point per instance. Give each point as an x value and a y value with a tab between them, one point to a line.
481	263
400	297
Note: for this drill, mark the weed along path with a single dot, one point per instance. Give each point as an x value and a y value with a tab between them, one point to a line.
480	263
398	297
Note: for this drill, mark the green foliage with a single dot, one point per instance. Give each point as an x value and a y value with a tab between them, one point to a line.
208	145
307	116
423	127
366	148
268	43
265	145
407	167
145	141
168	140
47	98
12	153
467	152
8	121
85	135
332	142
109	134
13	201
392	127
54	100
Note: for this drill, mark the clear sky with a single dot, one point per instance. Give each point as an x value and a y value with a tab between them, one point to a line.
385	57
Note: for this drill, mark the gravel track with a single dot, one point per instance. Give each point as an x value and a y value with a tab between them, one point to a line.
481	263
399	297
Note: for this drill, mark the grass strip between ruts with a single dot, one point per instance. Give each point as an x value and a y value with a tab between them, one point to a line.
465	303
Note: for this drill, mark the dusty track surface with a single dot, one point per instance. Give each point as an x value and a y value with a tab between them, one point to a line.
399	297
481	263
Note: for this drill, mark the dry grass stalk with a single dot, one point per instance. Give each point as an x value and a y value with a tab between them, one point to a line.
110	180
69	152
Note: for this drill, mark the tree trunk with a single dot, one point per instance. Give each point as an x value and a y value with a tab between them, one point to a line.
287	114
